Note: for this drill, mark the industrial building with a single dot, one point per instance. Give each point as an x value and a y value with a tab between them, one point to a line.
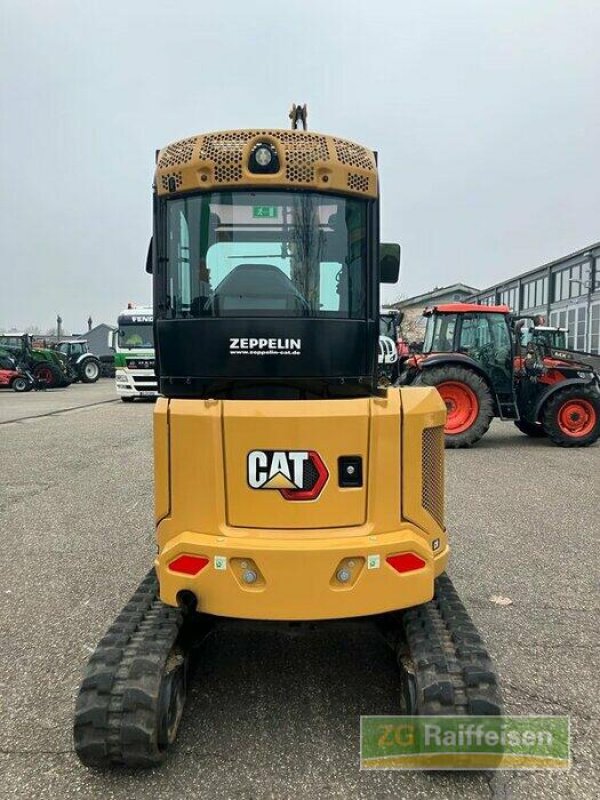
565	291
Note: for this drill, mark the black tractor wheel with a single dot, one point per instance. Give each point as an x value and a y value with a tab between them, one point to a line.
89	370
48	375
571	417
468	400
533	429
21	384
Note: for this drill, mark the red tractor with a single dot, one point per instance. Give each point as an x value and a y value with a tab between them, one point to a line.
471	355
12	377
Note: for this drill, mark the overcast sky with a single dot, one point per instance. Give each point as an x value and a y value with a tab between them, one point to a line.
486	116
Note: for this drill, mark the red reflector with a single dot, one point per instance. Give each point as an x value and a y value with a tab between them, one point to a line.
189	565
405	562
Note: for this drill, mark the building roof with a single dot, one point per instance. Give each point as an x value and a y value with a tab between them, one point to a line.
438	291
505	283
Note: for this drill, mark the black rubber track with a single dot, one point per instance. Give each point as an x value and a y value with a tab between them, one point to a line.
118	709
117	712
452	671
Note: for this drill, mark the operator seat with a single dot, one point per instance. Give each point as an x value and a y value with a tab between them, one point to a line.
257	290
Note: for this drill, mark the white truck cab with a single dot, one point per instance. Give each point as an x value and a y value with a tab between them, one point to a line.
133	343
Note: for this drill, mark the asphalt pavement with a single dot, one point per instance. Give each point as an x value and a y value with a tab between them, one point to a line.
274	714
15	406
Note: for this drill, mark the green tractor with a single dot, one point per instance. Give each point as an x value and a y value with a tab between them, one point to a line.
47	366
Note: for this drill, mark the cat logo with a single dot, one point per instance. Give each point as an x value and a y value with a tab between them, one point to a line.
296	474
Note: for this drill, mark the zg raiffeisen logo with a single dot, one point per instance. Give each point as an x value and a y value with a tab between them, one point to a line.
296	474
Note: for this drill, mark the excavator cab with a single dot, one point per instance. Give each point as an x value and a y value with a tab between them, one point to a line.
290	485
281	287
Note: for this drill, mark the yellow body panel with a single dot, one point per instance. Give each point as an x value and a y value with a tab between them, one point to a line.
280	426
309	161
162	488
297	547
299	575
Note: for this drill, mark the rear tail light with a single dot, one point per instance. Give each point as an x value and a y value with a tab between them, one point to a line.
406	562
188	565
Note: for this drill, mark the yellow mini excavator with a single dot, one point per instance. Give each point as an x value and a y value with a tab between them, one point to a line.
289	484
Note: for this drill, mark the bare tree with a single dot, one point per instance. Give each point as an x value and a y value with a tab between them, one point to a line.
412	326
